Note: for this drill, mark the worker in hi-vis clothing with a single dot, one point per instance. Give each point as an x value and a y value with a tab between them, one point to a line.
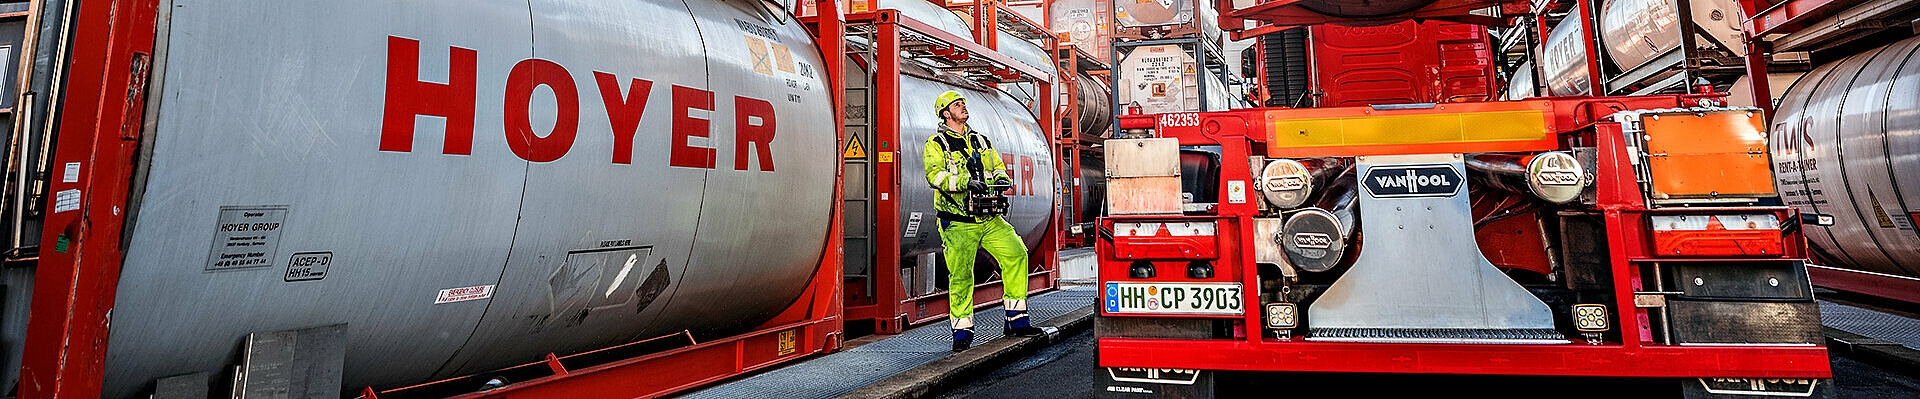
960	161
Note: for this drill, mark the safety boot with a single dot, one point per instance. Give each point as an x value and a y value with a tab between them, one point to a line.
1018	325
962	338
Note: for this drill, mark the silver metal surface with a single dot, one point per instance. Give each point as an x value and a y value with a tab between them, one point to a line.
1285	183
1096	105
1741	95
1027	93
1634	31
189	386
1314	239
1422	273
1522	85
1553	176
932	14
1093	186
1846	143
1077	18
19	192
281	105
302	363
1563	58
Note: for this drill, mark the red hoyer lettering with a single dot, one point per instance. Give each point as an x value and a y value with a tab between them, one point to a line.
408	96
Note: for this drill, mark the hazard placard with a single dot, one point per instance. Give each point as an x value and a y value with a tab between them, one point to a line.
854	150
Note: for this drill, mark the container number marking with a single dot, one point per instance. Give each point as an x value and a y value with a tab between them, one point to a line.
1179	120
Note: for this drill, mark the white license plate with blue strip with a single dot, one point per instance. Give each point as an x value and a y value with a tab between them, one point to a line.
1174	298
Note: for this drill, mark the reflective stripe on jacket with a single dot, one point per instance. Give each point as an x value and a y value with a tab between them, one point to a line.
946	161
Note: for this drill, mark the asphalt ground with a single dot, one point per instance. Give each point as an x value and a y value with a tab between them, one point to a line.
1066	370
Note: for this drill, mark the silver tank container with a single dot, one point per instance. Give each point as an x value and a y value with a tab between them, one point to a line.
1846	142
1637	31
443	265
1031	54
1521	86
1563	58
1096	105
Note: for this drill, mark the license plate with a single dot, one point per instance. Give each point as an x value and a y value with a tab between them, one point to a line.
1174	298
1790	387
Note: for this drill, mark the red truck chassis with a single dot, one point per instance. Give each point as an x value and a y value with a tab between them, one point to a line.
1630	348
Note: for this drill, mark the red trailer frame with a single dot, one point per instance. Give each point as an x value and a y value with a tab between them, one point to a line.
101	119
892	310
1572	121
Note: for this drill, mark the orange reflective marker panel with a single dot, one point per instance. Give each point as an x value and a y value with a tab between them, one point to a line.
1717	154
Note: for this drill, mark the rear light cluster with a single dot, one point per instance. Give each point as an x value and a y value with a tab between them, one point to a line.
1165	240
1737	235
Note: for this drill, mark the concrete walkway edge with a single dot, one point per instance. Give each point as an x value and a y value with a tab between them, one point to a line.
950	371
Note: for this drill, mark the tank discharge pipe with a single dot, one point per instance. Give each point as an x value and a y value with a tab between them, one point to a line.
1289	183
1553	176
1315	238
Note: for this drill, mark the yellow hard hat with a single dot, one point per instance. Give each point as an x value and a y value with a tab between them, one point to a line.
946	99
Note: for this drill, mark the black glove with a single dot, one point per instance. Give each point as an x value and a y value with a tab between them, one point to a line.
1002	180
977	186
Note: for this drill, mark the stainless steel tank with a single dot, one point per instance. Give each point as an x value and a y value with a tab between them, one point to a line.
1026	52
1741	93
1563	58
1637	31
274	130
1088	23
1846	142
1096	105
1093	183
1521	86
932	14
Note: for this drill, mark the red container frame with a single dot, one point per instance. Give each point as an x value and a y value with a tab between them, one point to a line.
894	311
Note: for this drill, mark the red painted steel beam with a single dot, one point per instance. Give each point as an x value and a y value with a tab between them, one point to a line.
1758	53
886	83
1899	288
1290	13
1553	360
79	267
670	371
1790	15
923	29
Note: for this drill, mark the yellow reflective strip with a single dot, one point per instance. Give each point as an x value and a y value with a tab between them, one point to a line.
1464	127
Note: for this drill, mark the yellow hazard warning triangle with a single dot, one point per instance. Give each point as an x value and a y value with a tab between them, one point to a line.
854	150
